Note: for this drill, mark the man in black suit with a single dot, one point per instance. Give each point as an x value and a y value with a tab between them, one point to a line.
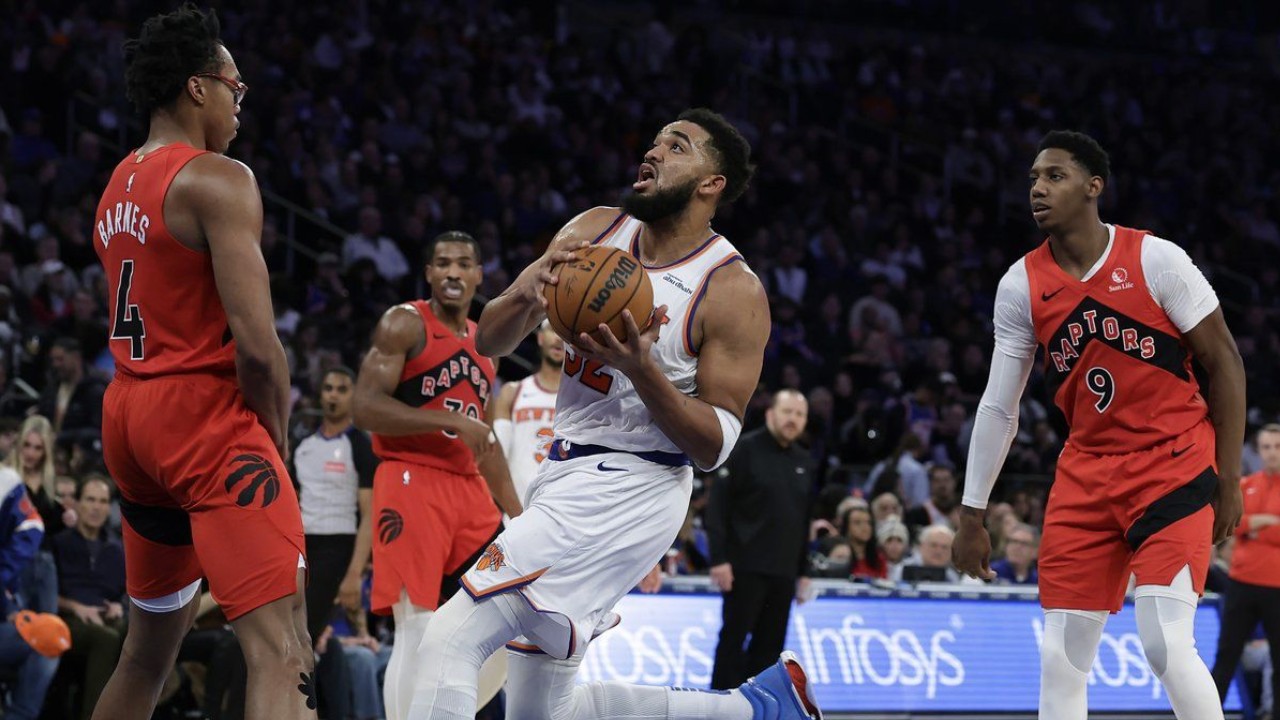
758	525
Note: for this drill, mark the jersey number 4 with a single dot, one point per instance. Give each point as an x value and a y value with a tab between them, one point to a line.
589	372
128	324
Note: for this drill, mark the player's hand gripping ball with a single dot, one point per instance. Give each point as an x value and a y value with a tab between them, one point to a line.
594	289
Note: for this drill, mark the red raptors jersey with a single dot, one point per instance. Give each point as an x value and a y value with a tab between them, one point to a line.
165	313
1115	364
447	375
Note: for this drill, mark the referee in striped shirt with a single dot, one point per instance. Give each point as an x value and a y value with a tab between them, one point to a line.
334	469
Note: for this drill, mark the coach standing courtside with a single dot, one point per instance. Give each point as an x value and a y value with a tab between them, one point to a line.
1254	593
758	524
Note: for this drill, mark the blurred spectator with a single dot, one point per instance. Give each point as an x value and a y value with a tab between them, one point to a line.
72	400
942	500
1018	567
20	534
833	557
933	554
894	541
868	563
757	522
902	473
369	243
91	589
32	458
884	506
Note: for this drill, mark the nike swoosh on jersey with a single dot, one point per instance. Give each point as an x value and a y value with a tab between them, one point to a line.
1176	453
1048	296
605	468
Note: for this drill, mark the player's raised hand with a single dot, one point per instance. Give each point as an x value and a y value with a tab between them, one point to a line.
535	278
1228	508
629	355
971	551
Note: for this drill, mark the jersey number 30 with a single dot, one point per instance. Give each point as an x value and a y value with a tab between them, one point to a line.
128	324
1103	385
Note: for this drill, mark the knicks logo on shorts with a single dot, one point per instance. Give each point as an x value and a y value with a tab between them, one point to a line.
493	558
264	478
390	525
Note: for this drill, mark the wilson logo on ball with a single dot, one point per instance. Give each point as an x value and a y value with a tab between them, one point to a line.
263	478
390	525
617	280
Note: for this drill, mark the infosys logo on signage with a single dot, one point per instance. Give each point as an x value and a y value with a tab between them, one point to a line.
887	654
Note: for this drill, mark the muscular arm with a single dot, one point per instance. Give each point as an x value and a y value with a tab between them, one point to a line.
493	466
508	318
375	409
734	317
227	207
1212	344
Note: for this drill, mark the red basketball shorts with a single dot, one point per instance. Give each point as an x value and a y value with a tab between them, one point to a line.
203	492
1145	513
428	524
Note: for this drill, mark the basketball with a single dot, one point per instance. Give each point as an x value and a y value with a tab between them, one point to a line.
595	288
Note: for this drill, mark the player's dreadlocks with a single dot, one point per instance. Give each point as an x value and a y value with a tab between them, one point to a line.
171	48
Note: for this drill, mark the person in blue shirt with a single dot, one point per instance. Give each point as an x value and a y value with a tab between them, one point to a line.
1018	567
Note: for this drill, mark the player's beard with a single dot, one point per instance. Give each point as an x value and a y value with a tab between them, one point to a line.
660	204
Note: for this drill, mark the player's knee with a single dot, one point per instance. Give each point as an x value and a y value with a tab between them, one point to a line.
144	662
284	651
1167	644
1063	661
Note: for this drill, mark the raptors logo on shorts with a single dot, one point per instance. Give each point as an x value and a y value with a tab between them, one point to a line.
264	478
390	525
493	558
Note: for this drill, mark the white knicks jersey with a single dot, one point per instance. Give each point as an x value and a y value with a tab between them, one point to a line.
599	406
532	413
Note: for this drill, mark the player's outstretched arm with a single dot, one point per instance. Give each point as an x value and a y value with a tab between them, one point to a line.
994	427
225	202
508	318
1213	345
730	332
399	334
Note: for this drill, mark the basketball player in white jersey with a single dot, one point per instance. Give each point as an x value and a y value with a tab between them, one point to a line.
632	417
523	411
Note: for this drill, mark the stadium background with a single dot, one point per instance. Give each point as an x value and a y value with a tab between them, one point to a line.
892	140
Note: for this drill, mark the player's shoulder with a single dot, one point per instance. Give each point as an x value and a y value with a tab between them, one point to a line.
1015	278
214	172
1156	248
588	225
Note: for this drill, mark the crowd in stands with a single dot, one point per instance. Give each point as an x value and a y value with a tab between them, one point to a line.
890	199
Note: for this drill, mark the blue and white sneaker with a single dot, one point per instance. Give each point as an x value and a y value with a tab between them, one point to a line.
782	692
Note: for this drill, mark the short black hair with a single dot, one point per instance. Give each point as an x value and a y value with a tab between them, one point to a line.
730	149
341	370
1084	150
68	344
453	236
170	48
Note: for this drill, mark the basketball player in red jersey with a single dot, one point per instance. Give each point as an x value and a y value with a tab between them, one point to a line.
194	422
423	391
1150	475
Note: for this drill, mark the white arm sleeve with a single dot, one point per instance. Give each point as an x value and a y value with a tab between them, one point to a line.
1176	284
994	426
996	422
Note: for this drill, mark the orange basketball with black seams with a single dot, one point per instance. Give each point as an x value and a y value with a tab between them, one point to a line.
594	289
